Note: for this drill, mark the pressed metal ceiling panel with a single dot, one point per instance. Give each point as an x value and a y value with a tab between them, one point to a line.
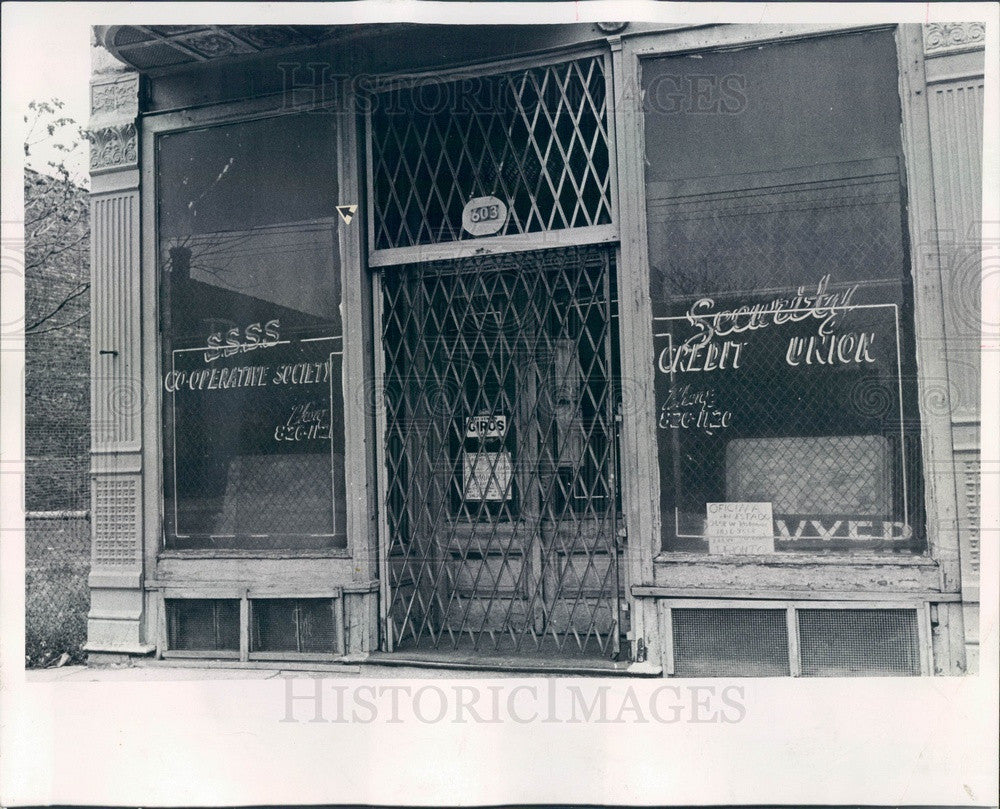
155	46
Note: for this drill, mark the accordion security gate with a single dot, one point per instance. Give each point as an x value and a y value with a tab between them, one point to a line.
501	455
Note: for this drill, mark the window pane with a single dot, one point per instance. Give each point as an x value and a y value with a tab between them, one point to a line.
785	372
252	336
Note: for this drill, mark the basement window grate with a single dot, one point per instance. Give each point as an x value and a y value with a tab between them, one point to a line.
730	642
859	642
293	625
203	624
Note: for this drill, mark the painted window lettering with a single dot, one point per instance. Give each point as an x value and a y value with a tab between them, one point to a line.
253	336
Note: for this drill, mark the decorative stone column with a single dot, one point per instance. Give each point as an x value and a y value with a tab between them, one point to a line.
114	624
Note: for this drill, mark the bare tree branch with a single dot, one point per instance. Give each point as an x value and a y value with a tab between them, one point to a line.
68	299
55	251
57	328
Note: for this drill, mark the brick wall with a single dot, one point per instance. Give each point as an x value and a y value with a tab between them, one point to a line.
57	345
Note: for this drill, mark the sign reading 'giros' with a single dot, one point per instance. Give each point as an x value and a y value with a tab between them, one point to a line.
484	216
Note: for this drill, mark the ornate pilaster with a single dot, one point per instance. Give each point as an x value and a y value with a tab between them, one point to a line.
114	107
960	243
114	624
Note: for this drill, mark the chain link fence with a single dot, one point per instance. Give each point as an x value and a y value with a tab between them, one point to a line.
57	561
57	421
57	530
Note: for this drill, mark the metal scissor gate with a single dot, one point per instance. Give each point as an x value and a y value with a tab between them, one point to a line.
500	480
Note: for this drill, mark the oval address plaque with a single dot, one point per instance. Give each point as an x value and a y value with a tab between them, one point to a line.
483	216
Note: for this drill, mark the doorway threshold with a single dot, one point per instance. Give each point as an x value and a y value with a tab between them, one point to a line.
561	665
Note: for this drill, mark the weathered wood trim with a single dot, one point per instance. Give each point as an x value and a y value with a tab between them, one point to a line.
774	604
358	587
941	501
903	596
359	456
750	575
191	654
381	475
240	553
245	626
263	592
925	635
288	575
969	472
227	590
793	560
794	654
224	113
666	622
640	472
714	36
948	639
152	454
317	657
489	245
488	67
341	665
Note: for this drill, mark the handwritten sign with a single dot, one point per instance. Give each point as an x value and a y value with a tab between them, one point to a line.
739	528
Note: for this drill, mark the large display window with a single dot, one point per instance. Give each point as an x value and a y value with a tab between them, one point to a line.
782	305
251	335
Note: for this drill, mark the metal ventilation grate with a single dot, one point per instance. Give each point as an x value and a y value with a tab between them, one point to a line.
536	138
203	624
730	642
861	642
293	625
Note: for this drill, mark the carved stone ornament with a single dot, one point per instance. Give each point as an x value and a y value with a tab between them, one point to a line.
114	107
114	147
941	36
118	98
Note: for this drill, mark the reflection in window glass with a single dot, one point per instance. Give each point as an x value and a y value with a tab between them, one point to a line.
785	372
251	335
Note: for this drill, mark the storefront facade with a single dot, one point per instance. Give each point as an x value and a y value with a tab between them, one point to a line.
616	348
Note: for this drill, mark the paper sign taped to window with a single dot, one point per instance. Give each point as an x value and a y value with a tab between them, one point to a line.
487	475
739	528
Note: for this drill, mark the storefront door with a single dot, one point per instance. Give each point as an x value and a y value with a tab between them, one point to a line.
500	453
